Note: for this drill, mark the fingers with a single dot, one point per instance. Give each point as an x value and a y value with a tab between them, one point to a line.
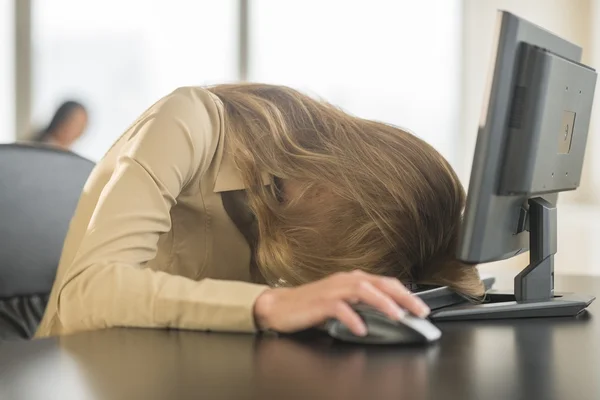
384	293
367	293
346	315
402	296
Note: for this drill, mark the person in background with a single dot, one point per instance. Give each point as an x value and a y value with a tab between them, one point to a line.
251	207
67	125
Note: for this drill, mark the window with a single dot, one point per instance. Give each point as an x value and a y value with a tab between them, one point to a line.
7	60
394	61
118	57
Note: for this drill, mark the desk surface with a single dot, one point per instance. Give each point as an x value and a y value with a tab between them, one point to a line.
532	359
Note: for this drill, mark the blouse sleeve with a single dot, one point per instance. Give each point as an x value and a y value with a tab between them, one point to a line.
107	285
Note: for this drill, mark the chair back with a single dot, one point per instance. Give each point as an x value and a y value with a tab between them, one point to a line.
39	191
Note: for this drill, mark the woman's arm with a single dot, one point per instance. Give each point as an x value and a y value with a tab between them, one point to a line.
107	285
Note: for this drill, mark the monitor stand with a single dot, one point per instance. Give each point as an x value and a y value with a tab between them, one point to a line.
534	287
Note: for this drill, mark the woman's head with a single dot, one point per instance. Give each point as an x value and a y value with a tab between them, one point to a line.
347	193
67	125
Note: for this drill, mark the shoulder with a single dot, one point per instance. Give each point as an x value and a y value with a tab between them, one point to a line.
189	116
189	101
182	128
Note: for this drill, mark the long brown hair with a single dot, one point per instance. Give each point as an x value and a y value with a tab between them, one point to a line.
367	195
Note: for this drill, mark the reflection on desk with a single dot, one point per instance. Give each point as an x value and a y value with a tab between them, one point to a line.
523	359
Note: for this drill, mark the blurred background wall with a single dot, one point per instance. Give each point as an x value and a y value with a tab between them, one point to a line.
7	64
418	64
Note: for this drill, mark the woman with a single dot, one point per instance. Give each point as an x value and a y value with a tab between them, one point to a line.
67	125
254	207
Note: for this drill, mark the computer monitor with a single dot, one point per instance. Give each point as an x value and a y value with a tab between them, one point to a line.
530	146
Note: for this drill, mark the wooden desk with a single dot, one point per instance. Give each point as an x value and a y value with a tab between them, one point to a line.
519	359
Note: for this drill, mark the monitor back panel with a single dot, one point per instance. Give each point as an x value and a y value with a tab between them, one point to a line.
490	223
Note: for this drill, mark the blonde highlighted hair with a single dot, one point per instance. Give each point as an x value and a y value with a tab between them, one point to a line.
366	195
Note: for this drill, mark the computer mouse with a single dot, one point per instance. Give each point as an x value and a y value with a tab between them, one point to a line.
384	330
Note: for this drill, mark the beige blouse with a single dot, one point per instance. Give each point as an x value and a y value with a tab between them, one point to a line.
151	243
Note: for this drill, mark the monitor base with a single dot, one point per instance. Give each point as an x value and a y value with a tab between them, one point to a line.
533	294
504	306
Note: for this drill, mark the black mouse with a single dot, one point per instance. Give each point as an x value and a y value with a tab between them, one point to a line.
384	330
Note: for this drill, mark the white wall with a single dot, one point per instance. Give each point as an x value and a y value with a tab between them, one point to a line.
593	162
7	98
394	61
120	56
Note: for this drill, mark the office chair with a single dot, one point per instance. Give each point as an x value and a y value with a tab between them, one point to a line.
39	191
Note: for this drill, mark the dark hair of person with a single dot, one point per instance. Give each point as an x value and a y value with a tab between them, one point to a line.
60	116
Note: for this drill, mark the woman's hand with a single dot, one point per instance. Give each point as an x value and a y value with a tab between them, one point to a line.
293	309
